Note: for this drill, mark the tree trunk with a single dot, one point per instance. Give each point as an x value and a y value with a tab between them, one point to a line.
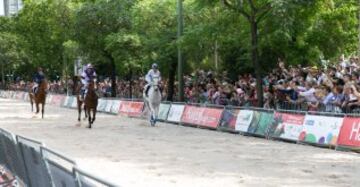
171	78
130	83
255	61
113	78
216	56
2	74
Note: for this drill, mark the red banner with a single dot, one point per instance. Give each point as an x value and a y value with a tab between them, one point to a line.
131	108
57	100
207	117
350	132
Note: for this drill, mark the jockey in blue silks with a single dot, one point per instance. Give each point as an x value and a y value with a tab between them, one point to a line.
38	78
87	75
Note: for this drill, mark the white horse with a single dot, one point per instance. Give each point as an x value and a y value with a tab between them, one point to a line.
152	102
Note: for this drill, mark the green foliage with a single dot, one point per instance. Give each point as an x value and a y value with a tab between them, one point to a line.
134	34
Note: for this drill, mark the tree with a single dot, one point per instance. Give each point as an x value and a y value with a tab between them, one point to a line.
44	26
95	23
11	55
155	22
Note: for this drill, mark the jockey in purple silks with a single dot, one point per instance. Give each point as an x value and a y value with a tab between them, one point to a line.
87	75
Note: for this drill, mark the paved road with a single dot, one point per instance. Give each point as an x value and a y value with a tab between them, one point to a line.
129	152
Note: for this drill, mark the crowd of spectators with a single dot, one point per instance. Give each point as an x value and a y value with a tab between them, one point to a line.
331	88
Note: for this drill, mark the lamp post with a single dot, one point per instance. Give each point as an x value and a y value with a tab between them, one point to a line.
180	57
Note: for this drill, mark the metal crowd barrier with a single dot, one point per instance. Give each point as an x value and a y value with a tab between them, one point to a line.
31	164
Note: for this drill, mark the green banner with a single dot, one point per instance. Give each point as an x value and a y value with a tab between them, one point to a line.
266	118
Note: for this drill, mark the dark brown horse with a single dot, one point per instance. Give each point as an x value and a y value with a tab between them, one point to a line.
91	102
39	98
80	103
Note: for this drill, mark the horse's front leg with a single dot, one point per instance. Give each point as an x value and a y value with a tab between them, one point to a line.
79	111
42	110
32	105
89	117
86	114
152	115
94	115
37	108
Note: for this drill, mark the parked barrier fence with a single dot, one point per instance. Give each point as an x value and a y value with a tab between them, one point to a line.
327	128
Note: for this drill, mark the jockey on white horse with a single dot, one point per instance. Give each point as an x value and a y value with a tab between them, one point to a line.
152	93
149	78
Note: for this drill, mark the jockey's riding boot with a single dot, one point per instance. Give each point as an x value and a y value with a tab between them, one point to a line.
147	91
82	95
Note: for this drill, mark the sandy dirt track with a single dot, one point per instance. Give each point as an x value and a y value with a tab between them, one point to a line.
130	153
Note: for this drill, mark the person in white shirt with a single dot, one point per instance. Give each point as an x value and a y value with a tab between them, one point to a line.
153	73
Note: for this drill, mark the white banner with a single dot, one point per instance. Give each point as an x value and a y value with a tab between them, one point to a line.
66	101
115	107
175	112
101	105
321	129
48	99
108	106
288	126
74	103
243	120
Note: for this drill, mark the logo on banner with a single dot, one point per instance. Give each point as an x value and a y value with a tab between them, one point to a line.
310	122
355	132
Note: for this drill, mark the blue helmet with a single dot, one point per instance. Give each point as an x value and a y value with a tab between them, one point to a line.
154	66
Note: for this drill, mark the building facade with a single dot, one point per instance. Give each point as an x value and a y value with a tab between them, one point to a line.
10	7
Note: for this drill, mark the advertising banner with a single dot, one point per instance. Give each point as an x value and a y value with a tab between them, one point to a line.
48	99
56	100
163	111
26	97
109	104
20	95
101	105
287	126
350	132
323	130
202	116
228	119
243	120
115	107
131	108
265	120
175	113
66	101
74	102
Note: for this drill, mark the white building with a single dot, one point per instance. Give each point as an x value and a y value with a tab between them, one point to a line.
10	7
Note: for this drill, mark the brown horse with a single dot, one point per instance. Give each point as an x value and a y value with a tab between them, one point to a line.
91	102
80	103
39	98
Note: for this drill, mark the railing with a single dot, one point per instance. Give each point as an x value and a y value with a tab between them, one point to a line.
28	162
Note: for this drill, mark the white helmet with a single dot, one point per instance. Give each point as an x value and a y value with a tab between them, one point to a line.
154	66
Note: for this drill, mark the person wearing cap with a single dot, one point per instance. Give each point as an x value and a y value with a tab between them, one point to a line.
87	75
153	73
38	78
